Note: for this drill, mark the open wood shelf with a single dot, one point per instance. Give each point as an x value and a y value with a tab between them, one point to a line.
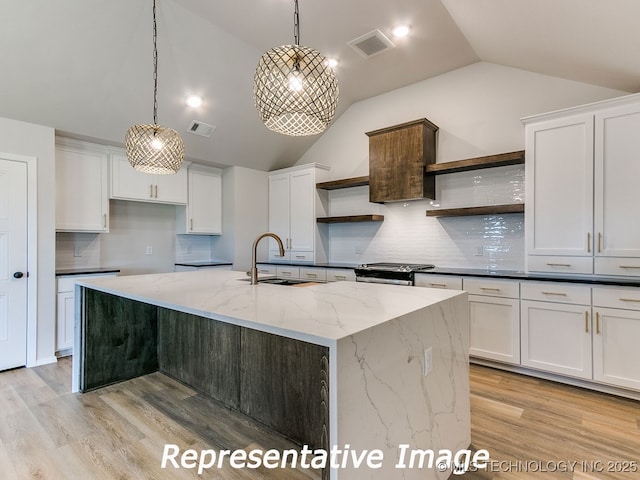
489	161
486	210
343	183
351	219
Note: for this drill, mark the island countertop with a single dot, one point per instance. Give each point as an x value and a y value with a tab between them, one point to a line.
318	312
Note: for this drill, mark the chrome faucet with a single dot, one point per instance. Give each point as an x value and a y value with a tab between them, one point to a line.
254	269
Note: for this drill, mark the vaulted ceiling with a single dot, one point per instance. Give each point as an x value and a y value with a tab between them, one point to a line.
84	67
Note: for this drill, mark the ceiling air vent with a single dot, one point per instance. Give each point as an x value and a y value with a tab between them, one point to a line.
371	43
201	128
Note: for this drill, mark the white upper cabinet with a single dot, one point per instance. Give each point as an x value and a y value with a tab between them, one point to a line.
294	205
129	184
203	213
581	172
82	196
617	185
559	186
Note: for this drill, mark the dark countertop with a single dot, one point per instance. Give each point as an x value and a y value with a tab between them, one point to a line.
85	271
317	265
520	275
507	274
204	263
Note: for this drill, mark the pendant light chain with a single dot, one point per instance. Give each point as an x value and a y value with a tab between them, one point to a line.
155	66
296	25
153	148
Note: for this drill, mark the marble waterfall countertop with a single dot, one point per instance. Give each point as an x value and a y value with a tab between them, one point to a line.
316	312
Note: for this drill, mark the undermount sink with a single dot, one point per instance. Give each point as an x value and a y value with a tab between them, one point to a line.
279	281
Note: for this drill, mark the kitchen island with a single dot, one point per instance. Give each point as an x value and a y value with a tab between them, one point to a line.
338	365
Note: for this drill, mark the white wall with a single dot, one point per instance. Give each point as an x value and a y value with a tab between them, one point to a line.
244	216
38	141
478	110
134	226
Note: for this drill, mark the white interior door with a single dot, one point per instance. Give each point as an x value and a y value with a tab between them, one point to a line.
13	264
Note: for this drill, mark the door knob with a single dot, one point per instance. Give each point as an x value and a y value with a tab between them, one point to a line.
18	275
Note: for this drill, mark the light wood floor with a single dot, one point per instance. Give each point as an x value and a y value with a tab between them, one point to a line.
119	432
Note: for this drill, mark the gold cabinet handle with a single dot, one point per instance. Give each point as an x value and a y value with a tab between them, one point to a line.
191	224
597	323
490	289
312	275
629	266
559	264
586	322
599	242
285	274
438	284
151	191
559	294
156	191
629	300
588	242
339	277
104	220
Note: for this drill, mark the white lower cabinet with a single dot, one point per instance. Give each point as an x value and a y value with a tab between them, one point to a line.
494	319
616	356
556	334
341	275
65	310
449	282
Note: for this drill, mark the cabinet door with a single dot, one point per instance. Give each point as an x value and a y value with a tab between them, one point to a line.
278	211
616	355
302	221
171	188
559	187
205	202
127	183
494	328
617	171
64	320
556	338
82	198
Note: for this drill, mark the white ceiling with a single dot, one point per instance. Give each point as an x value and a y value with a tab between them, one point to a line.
84	66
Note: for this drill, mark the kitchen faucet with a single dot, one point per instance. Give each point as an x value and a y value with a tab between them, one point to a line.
254	269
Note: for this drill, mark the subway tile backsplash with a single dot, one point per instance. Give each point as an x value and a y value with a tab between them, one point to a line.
407	235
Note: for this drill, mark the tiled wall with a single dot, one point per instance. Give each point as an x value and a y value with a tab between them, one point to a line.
407	235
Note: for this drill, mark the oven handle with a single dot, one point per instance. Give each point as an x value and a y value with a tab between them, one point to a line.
391	281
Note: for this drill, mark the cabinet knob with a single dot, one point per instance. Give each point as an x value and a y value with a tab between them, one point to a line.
18	275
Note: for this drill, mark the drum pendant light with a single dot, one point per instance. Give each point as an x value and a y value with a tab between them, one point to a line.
295	91
154	148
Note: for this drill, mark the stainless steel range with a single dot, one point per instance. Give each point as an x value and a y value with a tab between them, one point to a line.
394	273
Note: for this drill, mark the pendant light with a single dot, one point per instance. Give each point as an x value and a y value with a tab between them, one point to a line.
295	91
154	148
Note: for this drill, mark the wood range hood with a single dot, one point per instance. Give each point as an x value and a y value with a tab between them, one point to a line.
397	159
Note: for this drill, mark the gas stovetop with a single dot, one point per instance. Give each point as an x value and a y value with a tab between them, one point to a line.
393	267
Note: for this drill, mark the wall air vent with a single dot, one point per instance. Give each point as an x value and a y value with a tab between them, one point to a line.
371	43
201	128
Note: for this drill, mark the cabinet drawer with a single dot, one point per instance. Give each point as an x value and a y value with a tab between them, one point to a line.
67	284
492	287
266	270
340	274
629	267
448	282
314	274
287	272
627	298
302	257
549	264
556	292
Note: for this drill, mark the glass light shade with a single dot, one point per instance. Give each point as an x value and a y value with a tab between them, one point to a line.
154	149
294	90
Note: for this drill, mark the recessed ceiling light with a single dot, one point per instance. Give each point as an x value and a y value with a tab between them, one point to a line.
332	62
194	101
400	31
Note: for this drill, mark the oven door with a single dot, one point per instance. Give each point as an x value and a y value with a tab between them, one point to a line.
392	281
